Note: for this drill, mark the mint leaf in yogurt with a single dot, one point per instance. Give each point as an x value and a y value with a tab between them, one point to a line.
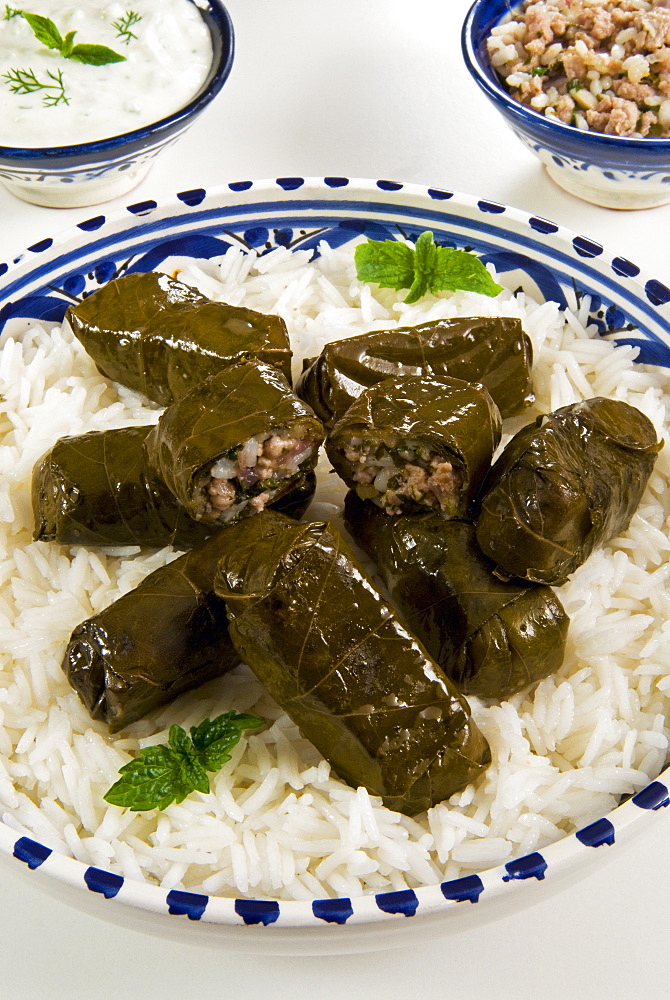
94	55
46	32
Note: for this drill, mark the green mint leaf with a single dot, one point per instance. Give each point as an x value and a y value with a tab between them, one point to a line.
180	741
95	55
459	270
214	738
160	775
389	263
44	30
68	44
153	780
426	268
425	264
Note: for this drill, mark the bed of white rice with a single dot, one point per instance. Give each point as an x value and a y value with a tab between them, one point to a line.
277	823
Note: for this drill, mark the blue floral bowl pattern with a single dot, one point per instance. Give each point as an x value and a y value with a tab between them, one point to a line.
549	262
612	171
93	172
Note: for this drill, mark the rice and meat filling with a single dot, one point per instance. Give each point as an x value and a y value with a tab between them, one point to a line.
415	443
250	475
235	443
600	65
395	472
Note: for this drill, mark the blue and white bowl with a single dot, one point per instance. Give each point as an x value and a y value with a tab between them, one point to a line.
92	172
550	263
607	170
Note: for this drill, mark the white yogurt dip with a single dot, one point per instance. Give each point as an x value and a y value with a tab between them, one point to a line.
166	63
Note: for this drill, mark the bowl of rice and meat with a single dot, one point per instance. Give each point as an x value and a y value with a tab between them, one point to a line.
585	84
286	851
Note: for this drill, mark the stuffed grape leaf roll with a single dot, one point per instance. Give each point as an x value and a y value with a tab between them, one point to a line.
158	336
493	351
315	630
168	635
98	489
412	443
240	440
491	638
563	486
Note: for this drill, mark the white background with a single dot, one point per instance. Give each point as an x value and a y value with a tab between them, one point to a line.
363	88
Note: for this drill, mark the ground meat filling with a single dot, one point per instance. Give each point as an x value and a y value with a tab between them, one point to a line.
600	65
251	475
402	475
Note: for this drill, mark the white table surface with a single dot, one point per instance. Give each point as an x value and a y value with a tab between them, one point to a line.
363	88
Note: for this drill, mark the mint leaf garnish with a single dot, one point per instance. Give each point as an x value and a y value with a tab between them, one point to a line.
458	270
94	55
46	32
160	775
214	738
425	268
389	263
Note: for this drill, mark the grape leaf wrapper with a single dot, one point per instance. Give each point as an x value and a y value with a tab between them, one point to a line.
313	627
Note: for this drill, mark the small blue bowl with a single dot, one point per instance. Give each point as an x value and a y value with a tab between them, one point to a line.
91	172
612	171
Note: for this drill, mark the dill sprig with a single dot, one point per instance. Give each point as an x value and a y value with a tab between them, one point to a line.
125	23
24	81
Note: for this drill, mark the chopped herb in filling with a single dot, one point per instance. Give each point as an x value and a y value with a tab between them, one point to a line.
401	475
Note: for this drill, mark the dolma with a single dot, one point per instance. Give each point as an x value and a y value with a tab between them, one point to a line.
240	440
98	489
168	635
563	486
495	352
156	335
308	620
491	638
412	442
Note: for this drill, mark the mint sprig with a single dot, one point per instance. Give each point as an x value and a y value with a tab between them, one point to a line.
425	268
46	32
160	774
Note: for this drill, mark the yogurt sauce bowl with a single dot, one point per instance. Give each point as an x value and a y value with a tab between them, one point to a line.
90	93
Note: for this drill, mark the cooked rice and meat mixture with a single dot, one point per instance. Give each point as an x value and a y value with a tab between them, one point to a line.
398	475
251	475
599	65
